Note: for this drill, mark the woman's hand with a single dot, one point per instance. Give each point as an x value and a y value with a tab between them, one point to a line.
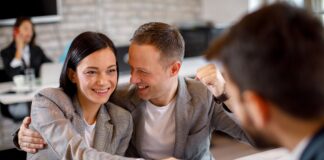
19	45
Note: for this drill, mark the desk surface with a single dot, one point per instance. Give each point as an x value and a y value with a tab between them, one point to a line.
13	97
188	68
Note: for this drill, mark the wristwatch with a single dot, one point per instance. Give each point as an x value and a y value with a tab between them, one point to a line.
221	98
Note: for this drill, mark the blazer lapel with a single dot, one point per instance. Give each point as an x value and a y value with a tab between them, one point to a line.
138	118
103	131
182	118
77	119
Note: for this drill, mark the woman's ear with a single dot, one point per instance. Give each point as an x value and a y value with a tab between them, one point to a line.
257	108
72	75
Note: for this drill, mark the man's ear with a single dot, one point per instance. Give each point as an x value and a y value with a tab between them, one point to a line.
175	68
257	108
72	75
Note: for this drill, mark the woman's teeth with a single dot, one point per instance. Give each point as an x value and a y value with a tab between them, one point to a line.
101	90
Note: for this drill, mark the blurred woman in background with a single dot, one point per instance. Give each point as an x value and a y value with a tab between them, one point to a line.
22	52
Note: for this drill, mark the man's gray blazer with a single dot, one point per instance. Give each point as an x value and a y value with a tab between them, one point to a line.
59	120
197	116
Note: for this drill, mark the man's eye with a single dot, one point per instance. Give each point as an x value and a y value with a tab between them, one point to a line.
112	70
143	72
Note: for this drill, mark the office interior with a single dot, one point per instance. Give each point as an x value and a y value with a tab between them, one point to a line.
199	21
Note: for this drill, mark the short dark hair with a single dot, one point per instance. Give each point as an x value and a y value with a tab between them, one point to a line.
278	51
164	37
83	45
18	23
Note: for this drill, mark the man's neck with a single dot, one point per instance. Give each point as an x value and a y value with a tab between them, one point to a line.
167	98
292	134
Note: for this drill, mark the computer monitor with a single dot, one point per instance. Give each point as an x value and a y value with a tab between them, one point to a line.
41	11
122	58
197	39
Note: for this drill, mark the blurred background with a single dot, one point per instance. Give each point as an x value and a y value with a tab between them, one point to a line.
119	18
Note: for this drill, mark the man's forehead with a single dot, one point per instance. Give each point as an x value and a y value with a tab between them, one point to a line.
145	46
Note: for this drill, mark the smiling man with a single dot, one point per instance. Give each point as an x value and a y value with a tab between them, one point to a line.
173	115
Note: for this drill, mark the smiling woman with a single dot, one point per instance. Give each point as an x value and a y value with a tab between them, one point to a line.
78	117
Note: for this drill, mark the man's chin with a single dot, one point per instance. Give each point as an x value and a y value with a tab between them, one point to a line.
142	96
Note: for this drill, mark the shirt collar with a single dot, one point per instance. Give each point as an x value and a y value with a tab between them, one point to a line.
298	150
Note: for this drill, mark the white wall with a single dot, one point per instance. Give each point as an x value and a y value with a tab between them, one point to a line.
223	12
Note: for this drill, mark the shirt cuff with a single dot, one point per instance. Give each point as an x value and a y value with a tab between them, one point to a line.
16	63
221	98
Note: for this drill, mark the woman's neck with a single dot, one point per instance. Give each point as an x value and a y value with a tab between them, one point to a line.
89	111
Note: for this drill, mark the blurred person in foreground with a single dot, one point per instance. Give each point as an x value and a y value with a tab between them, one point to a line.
274	64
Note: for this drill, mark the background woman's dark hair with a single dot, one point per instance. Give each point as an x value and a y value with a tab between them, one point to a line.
18	23
83	45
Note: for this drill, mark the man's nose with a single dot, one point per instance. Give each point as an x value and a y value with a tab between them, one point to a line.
134	79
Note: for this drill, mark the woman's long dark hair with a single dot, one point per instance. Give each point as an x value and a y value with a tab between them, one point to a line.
18	23
83	45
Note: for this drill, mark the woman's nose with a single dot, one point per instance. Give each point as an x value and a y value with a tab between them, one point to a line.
102	79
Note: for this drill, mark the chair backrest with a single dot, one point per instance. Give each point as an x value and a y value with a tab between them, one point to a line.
50	73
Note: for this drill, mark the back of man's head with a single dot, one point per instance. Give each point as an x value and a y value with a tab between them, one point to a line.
164	37
278	51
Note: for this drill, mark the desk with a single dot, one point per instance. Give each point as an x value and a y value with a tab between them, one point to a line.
6	87
11	98
188	68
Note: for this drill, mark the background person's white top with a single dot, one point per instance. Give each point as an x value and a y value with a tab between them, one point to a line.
158	137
